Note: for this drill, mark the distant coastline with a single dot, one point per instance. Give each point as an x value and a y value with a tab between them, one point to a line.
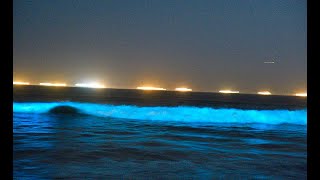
156	98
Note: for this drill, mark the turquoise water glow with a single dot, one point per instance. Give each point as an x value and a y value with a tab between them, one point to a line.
180	113
103	141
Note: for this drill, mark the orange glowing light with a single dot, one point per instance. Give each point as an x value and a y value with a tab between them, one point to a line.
52	84
150	88
21	83
183	89
264	93
301	94
228	91
91	85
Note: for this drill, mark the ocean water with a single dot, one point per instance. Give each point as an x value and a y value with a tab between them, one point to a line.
116	134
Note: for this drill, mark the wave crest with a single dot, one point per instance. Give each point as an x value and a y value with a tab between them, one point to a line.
64	110
179	113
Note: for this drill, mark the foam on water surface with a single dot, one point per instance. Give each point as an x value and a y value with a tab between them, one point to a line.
179	113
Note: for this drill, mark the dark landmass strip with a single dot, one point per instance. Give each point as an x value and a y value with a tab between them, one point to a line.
156	98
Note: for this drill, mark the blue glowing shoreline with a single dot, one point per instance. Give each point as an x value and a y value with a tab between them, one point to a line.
178	113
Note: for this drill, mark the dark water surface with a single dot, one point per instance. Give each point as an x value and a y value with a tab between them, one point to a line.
110	137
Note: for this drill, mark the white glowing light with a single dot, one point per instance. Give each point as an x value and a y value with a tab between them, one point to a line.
301	94
228	91
183	89
91	85
151	88
269	62
52	84
21	83
264	93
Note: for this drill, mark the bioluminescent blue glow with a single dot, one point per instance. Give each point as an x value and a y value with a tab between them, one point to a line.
180	113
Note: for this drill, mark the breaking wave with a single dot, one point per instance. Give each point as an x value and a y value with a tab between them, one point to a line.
179	113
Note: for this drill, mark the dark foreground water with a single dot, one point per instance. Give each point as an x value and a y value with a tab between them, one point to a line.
103	140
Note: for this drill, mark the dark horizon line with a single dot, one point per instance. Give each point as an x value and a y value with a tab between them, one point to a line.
215	92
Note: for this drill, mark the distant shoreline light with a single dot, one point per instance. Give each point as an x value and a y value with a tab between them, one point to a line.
228	91
92	85
264	93
150	88
183	89
21	83
301	94
52	84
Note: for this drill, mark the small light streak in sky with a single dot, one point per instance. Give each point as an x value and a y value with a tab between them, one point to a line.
150	88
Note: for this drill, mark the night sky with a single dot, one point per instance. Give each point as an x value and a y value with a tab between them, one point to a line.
205	45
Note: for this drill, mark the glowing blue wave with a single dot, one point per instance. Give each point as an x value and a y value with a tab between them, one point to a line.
180	113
